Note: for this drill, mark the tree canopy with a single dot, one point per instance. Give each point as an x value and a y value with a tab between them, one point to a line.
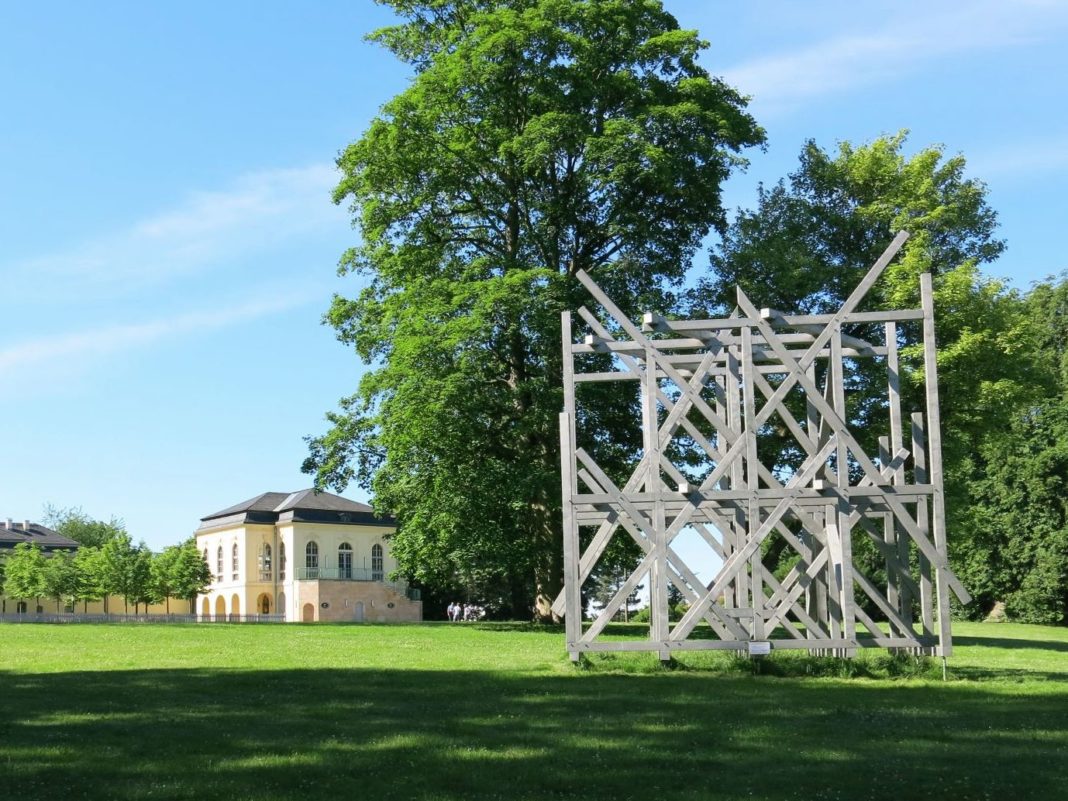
1001	354
537	138
80	527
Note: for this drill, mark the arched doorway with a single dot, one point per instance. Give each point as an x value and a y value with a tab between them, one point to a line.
205	609
309	613
235	605
282	605
220	609
263	604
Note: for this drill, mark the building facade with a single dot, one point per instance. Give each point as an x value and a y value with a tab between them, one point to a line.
13	533
303	556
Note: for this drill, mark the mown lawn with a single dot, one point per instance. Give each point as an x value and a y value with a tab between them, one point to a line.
486	712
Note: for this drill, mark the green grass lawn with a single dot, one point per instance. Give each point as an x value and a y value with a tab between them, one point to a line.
487	712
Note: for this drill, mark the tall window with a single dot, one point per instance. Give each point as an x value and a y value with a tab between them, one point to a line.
281	561
265	562
218	564
311	559
376	563
344	561
233	561
206	559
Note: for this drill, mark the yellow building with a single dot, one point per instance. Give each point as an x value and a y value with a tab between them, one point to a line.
302	556
13	533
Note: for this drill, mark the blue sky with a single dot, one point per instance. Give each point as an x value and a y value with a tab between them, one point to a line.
168	245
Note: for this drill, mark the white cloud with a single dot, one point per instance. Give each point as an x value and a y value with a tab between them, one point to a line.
58	353
1022	159
258	211
781	82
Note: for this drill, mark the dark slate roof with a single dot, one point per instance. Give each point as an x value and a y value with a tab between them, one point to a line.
324	501
48	539
261	503
307	506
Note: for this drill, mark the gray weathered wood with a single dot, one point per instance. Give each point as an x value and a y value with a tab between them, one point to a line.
712	388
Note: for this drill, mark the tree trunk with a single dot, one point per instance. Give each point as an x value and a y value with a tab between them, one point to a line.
549	572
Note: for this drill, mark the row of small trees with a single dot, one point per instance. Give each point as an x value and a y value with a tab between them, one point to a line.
116	568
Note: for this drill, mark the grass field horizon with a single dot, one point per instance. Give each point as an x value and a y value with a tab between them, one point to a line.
483	711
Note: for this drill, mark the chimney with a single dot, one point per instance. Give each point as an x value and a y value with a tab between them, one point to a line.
25	525
10	524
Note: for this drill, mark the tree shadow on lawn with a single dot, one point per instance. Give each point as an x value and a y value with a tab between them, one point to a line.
395	734
1007	642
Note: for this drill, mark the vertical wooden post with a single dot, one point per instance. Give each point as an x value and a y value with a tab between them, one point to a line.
658	617
919	457
568	490
741	525
934	447
843	529
752	481
890	562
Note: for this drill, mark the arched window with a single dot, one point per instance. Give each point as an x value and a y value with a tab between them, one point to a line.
233	561
281	561
206	559
344	561
265	562
311	559
376	563
218	564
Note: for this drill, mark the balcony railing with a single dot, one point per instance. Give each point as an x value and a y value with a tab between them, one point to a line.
339	574
356	574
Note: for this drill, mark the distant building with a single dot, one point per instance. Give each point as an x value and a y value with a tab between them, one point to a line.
49	541
12	534
306	556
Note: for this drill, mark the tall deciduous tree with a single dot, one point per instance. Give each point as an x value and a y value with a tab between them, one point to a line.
163	573
142	589
80	527
24	572
190	575
60	578
811	238
1017	515
537	138
117	568
87	565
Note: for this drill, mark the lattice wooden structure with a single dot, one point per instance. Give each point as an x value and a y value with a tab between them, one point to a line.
719	385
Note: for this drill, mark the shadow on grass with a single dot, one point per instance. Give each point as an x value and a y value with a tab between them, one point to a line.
1008	642
388	734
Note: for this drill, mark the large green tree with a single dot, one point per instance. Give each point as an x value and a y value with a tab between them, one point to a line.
811	238
537	138
60	578
1017	515
24	572
118	569
179	571
80	527
89	571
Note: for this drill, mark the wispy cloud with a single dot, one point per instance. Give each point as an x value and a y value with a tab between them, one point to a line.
57	353
781	82
256	212
1022	159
